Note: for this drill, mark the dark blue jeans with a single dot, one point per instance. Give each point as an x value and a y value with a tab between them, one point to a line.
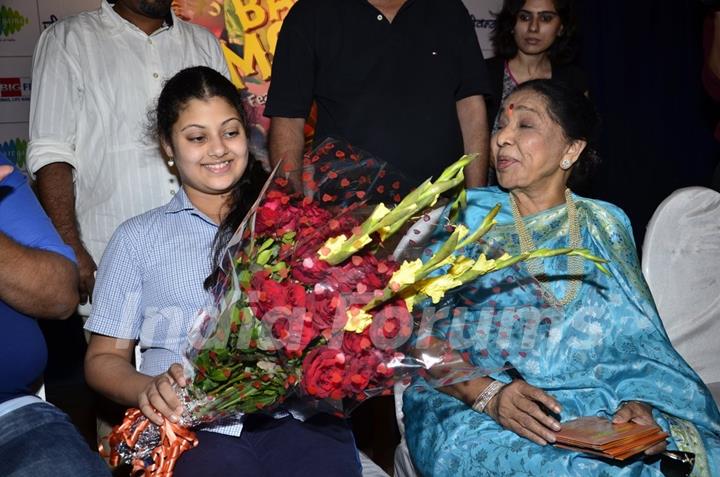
321	446
38	440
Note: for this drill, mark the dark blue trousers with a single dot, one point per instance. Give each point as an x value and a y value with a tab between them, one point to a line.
38	440
321	446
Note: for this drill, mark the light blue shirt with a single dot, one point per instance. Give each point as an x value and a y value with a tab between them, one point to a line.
150	283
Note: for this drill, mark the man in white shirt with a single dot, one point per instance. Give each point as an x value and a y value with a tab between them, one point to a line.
95	77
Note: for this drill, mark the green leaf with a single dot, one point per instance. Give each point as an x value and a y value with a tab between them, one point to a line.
217	375
266	244
289	237
264	256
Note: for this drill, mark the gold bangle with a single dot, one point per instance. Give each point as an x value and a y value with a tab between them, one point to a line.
482	400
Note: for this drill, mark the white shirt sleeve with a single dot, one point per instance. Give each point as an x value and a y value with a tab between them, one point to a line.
218	58
56	98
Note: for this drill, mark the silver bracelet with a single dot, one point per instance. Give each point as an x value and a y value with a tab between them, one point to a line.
482	400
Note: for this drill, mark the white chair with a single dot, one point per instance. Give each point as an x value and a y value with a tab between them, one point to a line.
681	263
370	468
403	464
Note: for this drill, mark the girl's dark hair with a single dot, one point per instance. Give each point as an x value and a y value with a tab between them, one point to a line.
563	48
203	83
575	114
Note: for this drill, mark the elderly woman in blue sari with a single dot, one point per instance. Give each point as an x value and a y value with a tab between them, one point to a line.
595	347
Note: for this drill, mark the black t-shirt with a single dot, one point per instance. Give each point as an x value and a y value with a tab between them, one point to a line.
388	88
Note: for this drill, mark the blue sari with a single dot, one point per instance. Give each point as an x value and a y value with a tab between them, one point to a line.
605	347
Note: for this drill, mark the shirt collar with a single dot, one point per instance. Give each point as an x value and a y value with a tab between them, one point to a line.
181	203
115	23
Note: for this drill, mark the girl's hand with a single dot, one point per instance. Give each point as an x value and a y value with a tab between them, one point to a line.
517	408
639	413
158	400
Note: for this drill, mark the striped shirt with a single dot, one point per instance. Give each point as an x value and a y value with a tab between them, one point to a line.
149	284
95	76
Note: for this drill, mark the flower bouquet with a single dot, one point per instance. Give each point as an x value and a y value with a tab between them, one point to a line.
312	307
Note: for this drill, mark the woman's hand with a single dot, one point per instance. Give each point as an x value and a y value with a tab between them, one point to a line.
516	407
158	399
639	413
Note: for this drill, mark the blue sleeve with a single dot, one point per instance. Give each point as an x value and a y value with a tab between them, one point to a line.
23	219
117	297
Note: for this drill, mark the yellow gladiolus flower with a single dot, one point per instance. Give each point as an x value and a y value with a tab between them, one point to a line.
483	265
462	265
361	242
406	273
410	301
436	287
358	320
332	245
461	231
379	212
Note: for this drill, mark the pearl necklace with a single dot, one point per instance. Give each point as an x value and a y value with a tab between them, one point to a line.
536	267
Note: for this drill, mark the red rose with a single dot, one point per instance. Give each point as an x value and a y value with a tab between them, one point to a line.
312	215
276	215
324	373
363	270
267	294
294	332
325	308
391	326
310	270
308	241
369	370
356	343
360	371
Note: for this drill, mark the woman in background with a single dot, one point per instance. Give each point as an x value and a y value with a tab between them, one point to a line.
532	39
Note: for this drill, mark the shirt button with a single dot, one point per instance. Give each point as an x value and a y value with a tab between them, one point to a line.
155	75
379	17
172	192
150	41
172	181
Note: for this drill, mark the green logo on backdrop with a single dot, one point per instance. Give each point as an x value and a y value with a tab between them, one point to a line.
16	151
11	21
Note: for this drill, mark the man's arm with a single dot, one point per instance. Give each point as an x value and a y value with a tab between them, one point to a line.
291	92
286	143
56	192
5	171
57	93
473	124
35	282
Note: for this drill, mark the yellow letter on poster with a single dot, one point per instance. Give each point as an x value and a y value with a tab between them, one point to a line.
276	8
251	14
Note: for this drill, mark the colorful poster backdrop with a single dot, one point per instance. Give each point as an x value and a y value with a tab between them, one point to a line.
248	32
18	27
18	33
21	22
